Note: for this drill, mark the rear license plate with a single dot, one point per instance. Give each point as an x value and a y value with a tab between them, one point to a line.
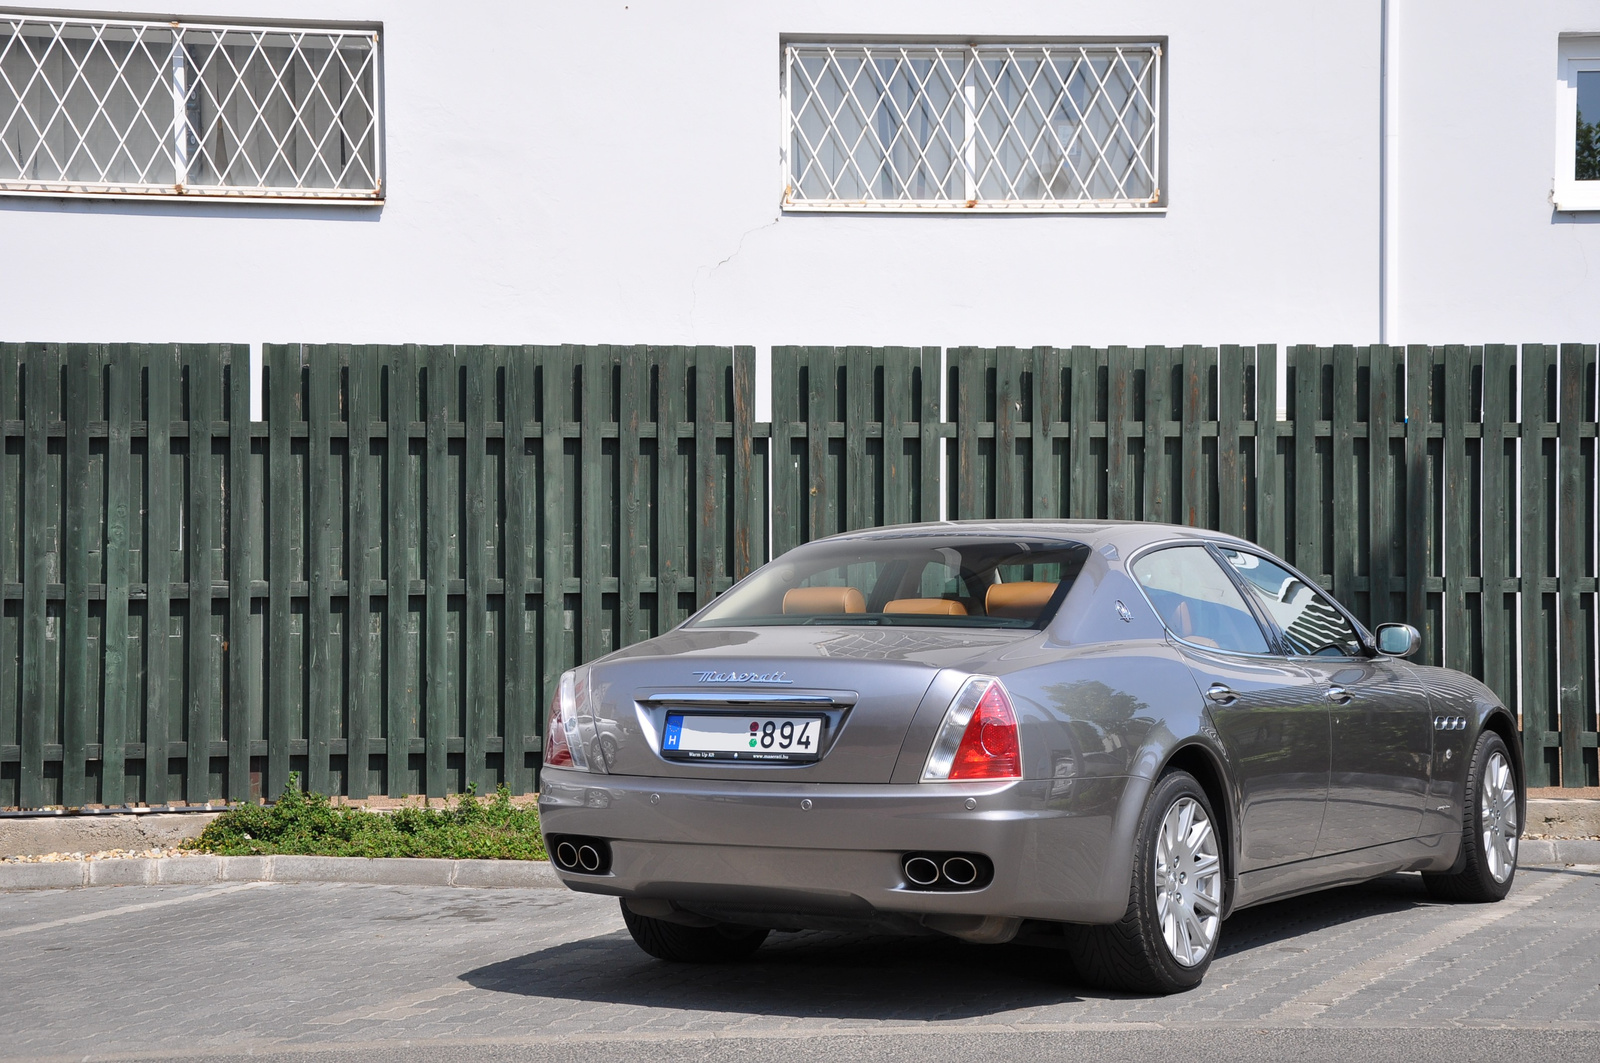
784	739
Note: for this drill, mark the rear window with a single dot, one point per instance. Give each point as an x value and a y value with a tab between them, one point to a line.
929	581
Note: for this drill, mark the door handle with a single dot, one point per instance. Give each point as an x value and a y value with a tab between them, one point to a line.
1339	695
1221	694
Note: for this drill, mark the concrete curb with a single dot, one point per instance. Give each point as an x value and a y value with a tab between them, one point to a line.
1535	851
199	870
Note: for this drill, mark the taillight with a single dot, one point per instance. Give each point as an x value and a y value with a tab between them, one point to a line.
563	748
978	739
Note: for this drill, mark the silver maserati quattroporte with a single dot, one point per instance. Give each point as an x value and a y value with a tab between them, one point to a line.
1106	736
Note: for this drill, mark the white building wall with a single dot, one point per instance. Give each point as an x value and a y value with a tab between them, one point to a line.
608	172
1482	254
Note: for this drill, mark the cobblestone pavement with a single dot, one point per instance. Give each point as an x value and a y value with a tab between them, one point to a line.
331	971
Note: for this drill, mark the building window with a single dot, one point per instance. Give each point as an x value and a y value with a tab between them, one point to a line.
121	107
1577	183
878	127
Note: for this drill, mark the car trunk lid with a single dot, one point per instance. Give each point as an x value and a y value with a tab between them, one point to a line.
861	685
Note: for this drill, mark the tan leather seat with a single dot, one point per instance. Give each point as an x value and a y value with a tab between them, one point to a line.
1023	600
926	607
817	601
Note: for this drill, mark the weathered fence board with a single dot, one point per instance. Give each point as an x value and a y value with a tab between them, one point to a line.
378	586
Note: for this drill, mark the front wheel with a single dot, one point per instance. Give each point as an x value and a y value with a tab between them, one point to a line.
692	944
1169	935
1489	830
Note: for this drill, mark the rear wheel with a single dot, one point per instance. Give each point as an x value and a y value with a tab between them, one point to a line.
1169	935
1489	830
692	944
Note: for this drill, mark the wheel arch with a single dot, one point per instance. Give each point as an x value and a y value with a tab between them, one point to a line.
1202	762
1500	722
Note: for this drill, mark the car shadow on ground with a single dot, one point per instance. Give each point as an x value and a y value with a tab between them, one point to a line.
847	976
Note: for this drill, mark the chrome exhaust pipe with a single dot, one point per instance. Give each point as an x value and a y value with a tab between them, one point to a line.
567	856
959	871
588	858
922	871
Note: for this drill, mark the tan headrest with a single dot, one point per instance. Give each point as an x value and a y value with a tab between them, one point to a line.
814	601
1018	601
926	606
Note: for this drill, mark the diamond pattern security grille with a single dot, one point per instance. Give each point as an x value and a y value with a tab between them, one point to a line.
115	107
916	127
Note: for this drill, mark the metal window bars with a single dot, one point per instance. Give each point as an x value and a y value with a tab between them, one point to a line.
130	108
962	127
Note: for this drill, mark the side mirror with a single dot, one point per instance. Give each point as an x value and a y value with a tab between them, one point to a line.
1398	640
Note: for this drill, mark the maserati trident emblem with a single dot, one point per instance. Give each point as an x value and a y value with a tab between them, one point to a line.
743	677
1122	611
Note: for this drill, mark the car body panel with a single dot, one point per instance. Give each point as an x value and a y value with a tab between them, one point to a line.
1105	698
1382	752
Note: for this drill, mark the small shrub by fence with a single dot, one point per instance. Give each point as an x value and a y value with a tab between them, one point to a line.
376	586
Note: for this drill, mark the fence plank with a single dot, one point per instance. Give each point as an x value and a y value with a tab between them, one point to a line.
399	678
1193	493
322	409
440	389
592	490
361	389
1538	716
1495	514
522	701
243	700
1419	498
746	497
1231	512
79	387
710	367
158	549
1344	499
1385	534
786	478
40	376
199	510
282	365
1575	536
967	373
1268	500
122	397
556	381
931	456
13	356
1460	535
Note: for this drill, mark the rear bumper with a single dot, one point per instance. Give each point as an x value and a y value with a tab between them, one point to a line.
1059	853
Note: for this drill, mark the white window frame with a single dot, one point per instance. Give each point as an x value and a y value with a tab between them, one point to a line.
167	174
1578	53
1155	204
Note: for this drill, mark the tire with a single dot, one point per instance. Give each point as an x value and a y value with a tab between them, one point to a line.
1167	939
1489	829
676	943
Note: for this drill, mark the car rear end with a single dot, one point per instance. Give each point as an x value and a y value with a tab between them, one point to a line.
798	769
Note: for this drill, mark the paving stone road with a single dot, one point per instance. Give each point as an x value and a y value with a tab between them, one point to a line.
330	972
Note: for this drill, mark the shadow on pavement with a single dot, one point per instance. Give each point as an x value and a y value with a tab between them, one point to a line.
847	976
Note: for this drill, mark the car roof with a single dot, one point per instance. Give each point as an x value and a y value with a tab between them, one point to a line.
1123	534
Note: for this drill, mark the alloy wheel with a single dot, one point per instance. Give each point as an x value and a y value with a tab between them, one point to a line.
1497	817
1188	882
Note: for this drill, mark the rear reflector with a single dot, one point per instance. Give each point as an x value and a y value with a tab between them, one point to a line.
978	739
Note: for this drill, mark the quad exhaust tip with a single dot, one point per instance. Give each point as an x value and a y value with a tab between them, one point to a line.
946	871
578	855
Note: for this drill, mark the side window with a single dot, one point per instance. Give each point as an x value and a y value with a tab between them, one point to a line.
1311	622
1197	601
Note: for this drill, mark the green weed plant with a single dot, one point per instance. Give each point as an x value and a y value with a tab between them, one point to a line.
308	824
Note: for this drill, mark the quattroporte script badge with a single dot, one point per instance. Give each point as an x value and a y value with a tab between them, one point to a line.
778	678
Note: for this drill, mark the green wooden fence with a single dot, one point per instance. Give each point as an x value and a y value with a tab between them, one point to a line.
394	564
398	561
